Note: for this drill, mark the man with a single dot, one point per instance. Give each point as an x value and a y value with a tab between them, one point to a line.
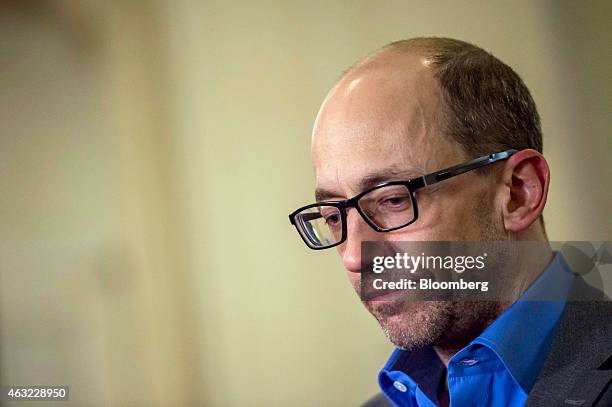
409	110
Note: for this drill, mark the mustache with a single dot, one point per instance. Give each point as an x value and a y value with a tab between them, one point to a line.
367	282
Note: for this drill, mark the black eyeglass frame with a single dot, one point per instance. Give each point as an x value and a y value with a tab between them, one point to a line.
413	185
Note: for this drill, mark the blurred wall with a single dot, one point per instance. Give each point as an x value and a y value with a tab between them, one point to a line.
150	152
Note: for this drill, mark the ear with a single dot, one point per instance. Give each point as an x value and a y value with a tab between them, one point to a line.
526	176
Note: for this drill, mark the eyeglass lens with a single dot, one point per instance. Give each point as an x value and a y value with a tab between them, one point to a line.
387	207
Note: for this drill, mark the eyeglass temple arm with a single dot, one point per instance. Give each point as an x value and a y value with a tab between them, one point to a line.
306	217
311	216
461	168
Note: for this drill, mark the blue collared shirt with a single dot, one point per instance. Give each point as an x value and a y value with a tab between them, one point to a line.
500	366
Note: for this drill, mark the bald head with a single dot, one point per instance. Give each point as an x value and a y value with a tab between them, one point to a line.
484	104
394	89
383	104
391	83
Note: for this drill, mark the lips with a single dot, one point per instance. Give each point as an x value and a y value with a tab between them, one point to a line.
386	295
408	285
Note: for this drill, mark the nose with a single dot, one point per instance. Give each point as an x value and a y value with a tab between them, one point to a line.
357	231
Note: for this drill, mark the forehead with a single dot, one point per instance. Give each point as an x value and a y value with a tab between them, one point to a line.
382	119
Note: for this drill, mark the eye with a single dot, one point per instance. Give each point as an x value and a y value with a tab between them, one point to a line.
332	219
395	201
331	216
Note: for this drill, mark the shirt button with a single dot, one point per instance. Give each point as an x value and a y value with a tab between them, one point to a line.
400	386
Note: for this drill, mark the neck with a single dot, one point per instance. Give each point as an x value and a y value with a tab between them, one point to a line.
464	330
536	257
445	353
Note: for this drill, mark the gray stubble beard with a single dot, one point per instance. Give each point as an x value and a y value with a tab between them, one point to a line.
441	323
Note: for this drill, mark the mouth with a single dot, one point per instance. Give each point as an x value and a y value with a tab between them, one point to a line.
385	296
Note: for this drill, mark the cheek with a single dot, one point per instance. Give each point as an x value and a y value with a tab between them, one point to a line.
447	214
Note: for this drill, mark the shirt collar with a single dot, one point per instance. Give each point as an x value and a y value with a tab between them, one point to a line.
522	335
528	326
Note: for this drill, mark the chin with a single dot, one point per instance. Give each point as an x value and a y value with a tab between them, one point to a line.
412	324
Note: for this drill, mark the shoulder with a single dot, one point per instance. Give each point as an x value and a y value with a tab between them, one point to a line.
579	365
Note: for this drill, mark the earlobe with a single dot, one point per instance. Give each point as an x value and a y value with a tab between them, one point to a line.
527	177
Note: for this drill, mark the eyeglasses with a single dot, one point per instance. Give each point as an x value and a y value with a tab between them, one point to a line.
386	207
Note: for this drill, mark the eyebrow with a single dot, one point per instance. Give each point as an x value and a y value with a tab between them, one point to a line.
371	180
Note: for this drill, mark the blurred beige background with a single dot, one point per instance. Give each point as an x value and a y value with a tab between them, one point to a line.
150	152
